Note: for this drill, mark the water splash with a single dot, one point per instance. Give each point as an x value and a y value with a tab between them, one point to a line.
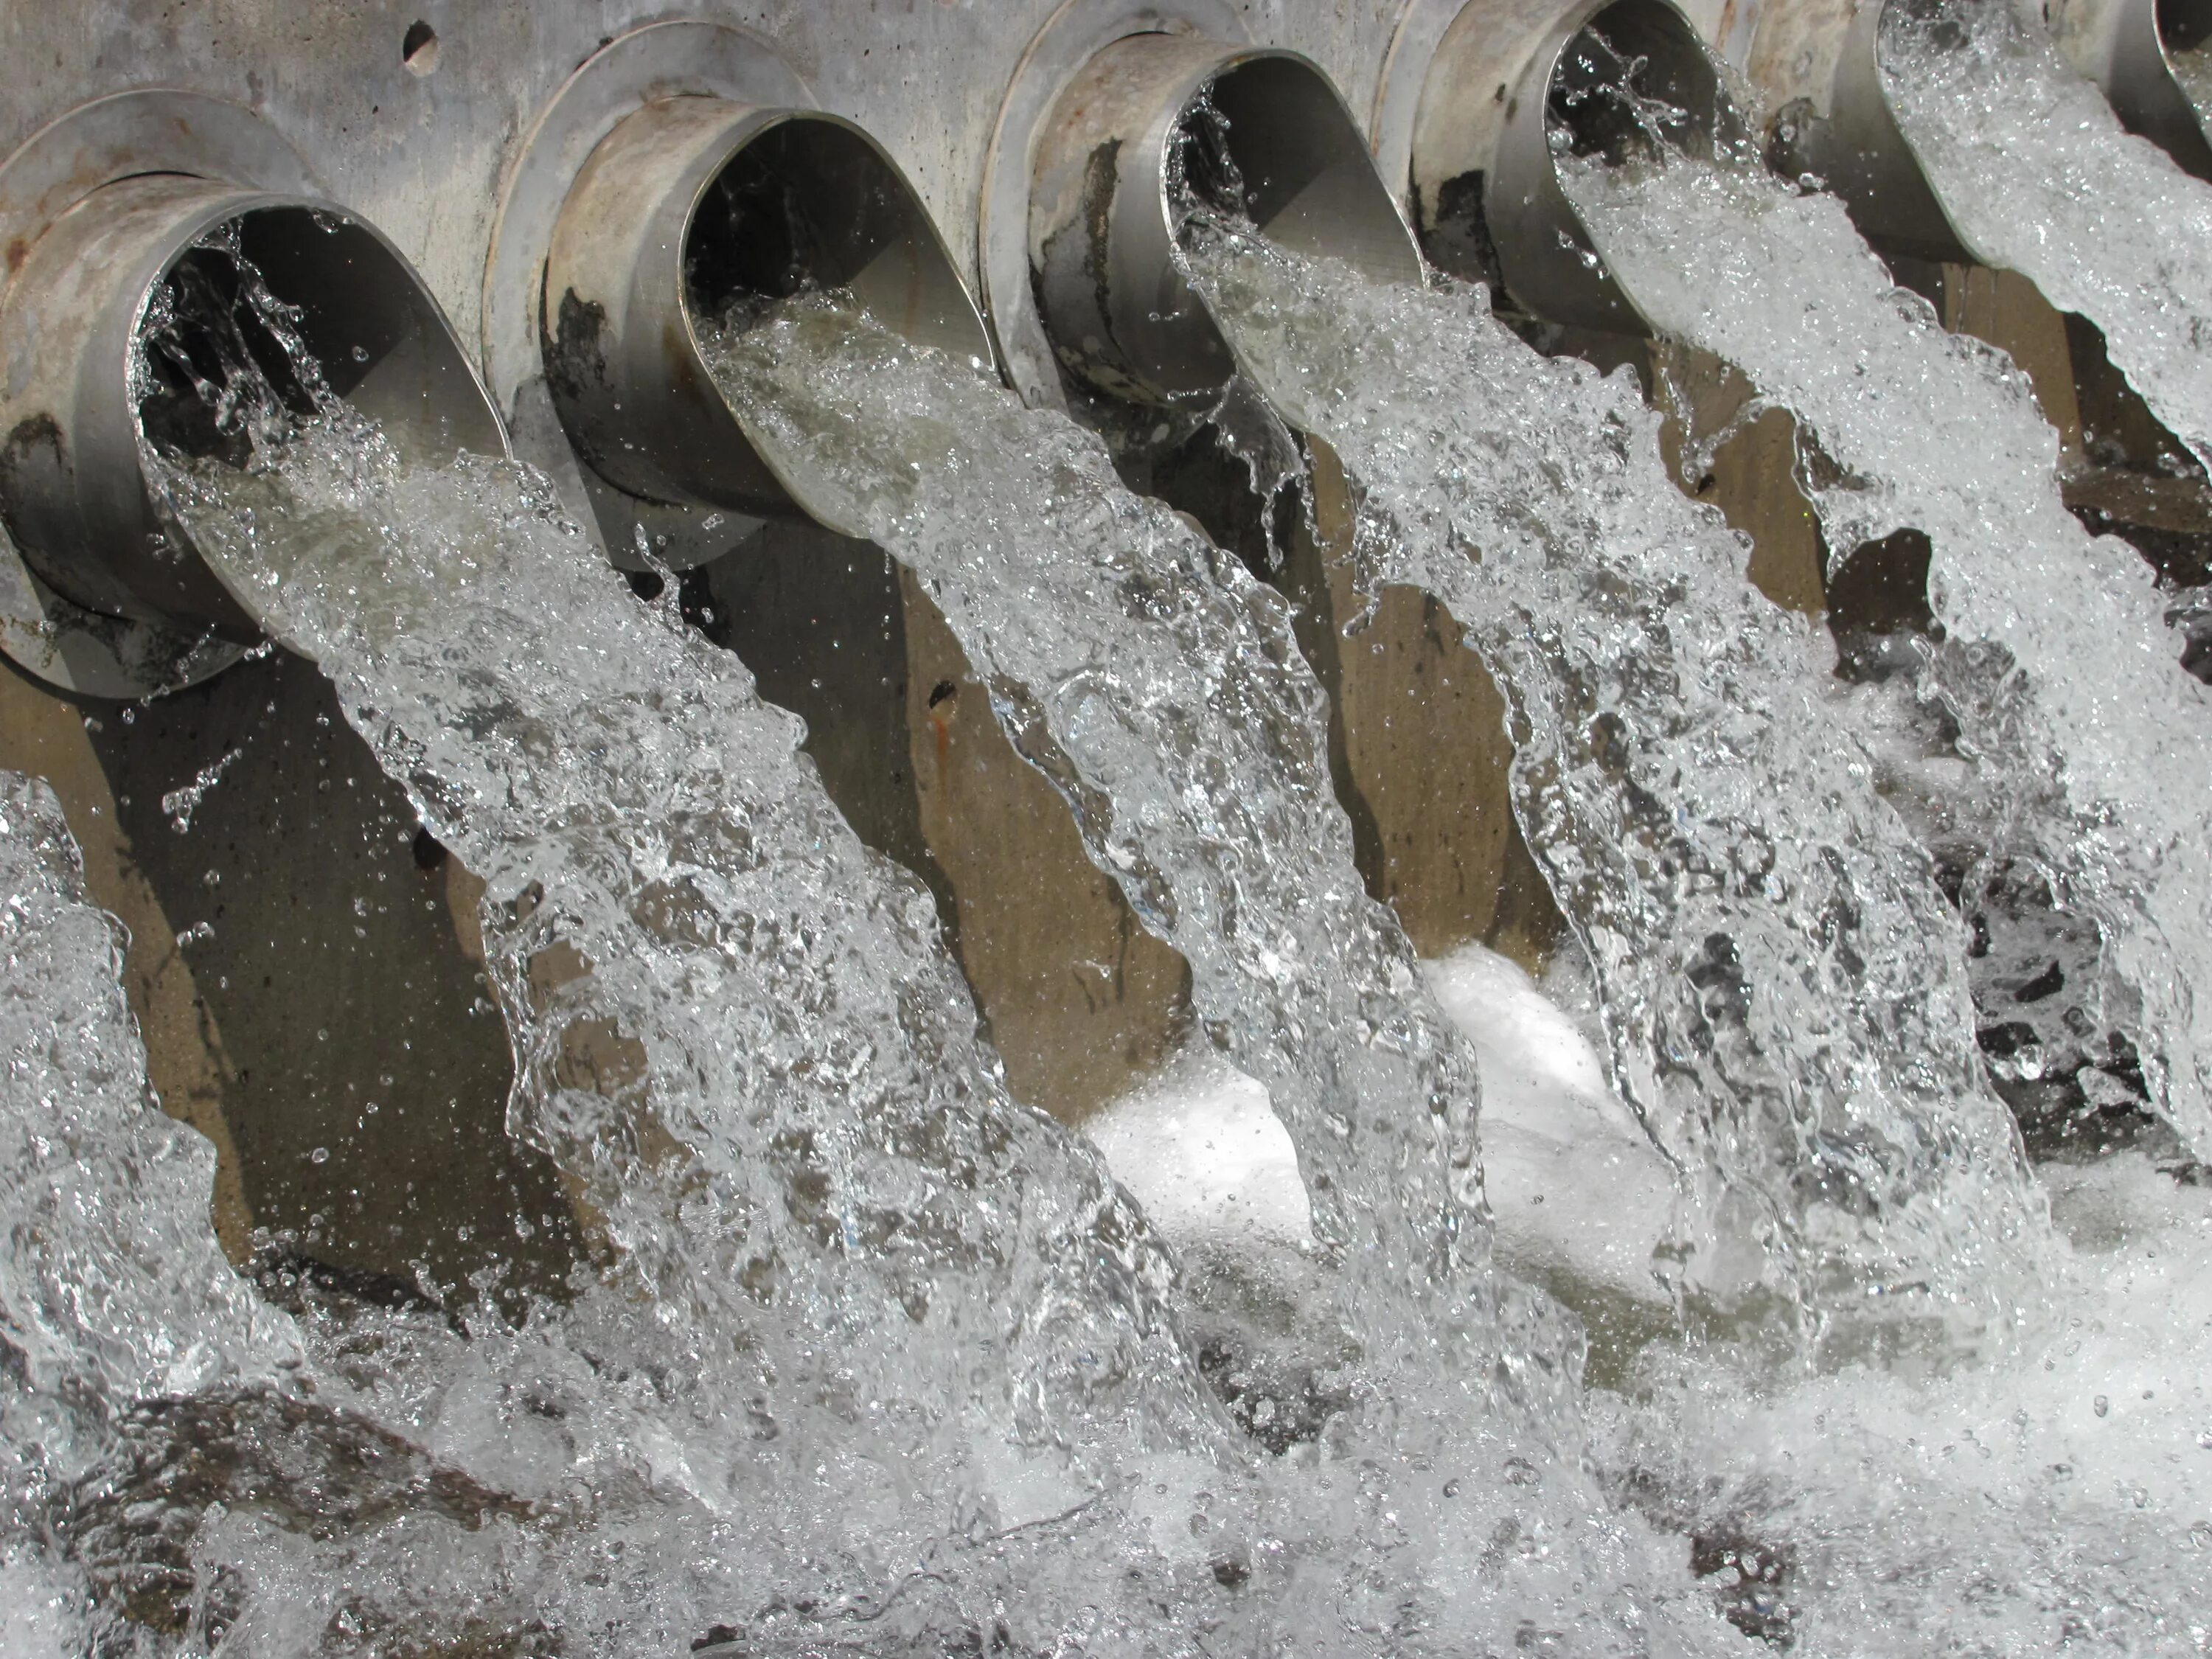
2039	177
866	1331
1783	984
1157	684
112	1293
2058	1502
2055	664
870	1358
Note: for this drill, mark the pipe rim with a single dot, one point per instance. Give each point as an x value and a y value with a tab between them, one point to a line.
1529	234
1118	305
2140	80
152	129
1399	91
1076	34
103	501
681	58
650	362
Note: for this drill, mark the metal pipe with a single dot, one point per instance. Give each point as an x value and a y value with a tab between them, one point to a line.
75	498
1482	173
1835	123
1103	222
691	203
2144	54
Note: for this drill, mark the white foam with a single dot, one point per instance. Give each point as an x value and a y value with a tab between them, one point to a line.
1575	1184
1202	1150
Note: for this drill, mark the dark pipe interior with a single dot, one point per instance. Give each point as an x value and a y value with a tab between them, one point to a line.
1268	144
1270	141
807	205
2184	25
342	300
214	341
1635	80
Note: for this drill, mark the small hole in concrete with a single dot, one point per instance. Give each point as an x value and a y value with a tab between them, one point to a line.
419	49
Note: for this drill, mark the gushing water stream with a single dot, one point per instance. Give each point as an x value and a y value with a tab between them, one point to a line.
2039	177
1159	686
872	1359
2052	1490
1783	983
2055	662
111	1290
868	1358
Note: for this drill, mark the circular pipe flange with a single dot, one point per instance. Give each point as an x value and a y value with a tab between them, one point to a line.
1075	34
1482	176
75	416
156	129
1103	260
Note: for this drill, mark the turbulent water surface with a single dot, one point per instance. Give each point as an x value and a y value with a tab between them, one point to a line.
2056	665
1158	685
867	1356
1784	984
113	1297
2039	177
2050	1492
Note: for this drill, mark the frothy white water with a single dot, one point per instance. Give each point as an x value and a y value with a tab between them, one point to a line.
871	1358
2039	177
1579	1196
2058	1502
872	1355
112	1293
2055	661
1158	685
2054	1491
1784	984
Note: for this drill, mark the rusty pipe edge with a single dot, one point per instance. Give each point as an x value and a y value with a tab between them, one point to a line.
1483	180
73	490
2128	48
1102	224
1820	65
691	203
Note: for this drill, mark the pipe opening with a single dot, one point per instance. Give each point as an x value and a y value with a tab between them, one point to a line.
215	336
810	204
2184	42
1634	81
693	215
2184	25
1268	140
1152	126
72	487
1505	101
375	339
